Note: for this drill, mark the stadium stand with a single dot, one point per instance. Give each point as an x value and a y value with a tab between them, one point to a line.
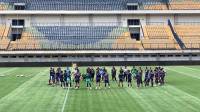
75	37
158	37
184	4
189	34
4	41
101	4
4	6
126	42
154	5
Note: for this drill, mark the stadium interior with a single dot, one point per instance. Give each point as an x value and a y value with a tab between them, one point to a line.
99	31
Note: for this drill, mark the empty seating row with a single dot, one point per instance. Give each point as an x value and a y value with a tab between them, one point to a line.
189	34
184	4
4	41
154	5
157	32
75	37
158	37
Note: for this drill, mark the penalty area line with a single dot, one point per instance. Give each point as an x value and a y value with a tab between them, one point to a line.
65	101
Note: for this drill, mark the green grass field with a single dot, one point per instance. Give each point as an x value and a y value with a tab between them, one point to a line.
32	94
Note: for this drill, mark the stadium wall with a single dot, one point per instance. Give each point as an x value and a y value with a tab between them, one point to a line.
144	19
109	58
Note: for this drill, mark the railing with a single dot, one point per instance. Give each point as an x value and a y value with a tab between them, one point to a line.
188	23
192	45
160	46
61	46
156	23
96	46
118	24
73	37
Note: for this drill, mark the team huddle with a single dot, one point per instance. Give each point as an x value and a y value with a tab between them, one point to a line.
100	76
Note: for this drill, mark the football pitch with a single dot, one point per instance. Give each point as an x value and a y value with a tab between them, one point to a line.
27	90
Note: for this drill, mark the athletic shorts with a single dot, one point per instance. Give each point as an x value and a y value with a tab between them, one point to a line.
120	80
61	80
51	77
98	80
68	80
77	81
106	81
129	80
88	81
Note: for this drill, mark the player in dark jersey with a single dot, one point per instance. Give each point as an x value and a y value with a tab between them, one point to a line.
102	73
88	70
106	79
77	77
125	73
58	72
62	79
151	78
162	77
113	72
140	73
92	73
138	79
121	78
146	77
156	76
121	70
98	80
129	77
51	76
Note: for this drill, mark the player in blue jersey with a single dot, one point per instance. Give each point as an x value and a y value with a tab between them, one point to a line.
67	77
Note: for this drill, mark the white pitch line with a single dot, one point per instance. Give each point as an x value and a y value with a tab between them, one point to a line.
66	96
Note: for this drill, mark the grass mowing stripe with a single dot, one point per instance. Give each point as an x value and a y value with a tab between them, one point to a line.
141	101
164	99
11	82
184	83
17	95
184	98
191	68
66	96
183	73
6	71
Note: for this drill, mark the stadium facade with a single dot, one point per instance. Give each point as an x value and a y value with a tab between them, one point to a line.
99	31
